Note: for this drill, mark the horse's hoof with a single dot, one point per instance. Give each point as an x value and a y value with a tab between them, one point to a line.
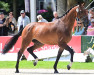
68	67
35	63
56	71
17	72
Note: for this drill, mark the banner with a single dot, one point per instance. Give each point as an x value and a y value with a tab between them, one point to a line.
75	43
43	52
15	48
12	54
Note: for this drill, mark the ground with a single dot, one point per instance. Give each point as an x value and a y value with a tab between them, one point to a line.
45	72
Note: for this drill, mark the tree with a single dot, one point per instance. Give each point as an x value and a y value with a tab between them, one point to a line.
13	5
14	8
4	6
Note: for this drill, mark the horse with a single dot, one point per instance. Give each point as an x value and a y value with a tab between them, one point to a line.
57	32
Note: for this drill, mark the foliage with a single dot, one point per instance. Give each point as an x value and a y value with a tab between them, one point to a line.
90	0
48	15
4	6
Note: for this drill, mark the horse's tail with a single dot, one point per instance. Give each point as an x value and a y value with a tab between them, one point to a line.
11	42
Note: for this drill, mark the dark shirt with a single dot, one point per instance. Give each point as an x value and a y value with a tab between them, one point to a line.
1	22
2	28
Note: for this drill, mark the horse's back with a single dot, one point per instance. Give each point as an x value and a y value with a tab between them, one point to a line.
43	32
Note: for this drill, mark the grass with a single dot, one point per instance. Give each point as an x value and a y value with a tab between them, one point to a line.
45	65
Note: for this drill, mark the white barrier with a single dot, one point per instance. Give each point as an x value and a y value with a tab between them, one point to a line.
47	54
78	57
8	57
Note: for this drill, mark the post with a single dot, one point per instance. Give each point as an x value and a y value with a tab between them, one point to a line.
33	10
15	8
53	5
89	4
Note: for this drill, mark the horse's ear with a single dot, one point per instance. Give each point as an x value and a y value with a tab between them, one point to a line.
81	3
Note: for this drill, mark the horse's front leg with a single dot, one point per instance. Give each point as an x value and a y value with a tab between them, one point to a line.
57	59
72	53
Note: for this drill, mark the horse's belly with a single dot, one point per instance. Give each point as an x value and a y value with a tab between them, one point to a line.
49	42
51	39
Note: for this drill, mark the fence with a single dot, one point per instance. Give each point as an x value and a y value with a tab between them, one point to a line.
78	43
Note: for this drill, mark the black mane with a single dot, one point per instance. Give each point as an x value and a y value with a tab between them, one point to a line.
67	12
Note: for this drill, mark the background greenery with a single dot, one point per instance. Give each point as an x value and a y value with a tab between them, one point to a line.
4	6
7	6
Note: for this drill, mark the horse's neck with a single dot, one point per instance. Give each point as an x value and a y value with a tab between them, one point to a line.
70	18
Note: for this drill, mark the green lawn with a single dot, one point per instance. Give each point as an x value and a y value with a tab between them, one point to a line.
45	65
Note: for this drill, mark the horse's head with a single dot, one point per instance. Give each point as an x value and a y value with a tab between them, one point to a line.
81	12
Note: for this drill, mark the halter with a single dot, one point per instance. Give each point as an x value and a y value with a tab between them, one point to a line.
79	11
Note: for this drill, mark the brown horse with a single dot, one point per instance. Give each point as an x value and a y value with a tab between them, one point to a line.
57	32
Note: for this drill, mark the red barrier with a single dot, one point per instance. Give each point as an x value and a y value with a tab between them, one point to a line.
75	43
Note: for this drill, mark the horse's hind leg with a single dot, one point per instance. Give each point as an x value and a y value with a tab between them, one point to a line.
18	58
36	45
17	64
23	47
